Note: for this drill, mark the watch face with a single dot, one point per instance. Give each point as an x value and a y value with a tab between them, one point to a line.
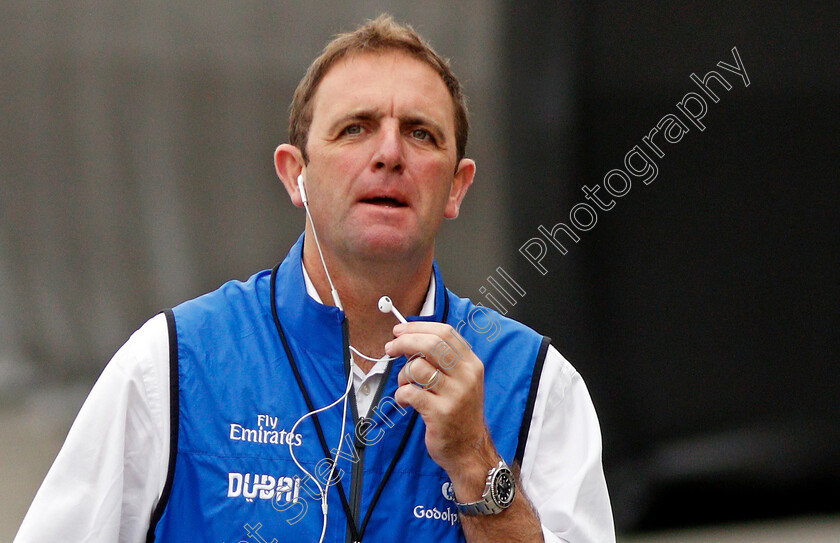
503	488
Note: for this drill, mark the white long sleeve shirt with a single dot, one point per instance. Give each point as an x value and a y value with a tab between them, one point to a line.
110	473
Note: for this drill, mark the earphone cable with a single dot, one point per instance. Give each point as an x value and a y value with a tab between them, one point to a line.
333	290
324	491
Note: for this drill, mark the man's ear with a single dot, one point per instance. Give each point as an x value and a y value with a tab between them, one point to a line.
460	184
288	163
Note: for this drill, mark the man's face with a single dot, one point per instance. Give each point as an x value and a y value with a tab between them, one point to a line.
382	156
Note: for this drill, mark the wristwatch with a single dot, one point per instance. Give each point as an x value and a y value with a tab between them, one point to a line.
499	491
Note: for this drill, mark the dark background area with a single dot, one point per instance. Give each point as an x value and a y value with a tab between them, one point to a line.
702	309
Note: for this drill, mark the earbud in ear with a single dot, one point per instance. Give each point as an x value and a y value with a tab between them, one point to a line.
301	189
387	306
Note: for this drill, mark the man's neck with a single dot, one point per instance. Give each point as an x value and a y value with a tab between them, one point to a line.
360	285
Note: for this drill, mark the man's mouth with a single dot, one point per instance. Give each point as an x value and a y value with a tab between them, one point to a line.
384	201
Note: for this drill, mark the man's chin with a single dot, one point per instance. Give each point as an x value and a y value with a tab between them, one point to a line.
386	246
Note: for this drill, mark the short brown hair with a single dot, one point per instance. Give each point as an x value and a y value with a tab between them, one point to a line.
380	34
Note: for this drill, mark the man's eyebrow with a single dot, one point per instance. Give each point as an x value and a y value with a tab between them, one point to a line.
358	115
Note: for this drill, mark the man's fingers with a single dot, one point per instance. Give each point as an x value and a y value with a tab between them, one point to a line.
441	330
430	406
419	372
444	354
409	395
409	344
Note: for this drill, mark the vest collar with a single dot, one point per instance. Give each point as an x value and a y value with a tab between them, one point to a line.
302	316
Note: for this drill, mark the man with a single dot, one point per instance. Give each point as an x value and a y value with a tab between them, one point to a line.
227	418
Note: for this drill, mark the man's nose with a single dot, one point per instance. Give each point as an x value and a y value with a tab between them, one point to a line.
389	151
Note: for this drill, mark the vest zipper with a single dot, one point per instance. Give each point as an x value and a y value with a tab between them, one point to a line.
356	480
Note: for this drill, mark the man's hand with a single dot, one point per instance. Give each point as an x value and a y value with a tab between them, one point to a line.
444	382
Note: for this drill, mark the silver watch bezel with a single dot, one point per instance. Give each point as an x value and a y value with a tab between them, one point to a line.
502	472
490	503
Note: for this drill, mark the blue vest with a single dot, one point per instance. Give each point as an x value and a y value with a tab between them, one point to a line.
244	370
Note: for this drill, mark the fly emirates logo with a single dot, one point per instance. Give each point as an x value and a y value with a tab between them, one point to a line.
266	432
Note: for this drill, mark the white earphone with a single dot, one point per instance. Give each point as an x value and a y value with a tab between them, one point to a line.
301	189
303	197
387	306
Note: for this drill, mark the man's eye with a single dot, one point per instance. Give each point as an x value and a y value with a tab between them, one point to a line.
353	129
421	134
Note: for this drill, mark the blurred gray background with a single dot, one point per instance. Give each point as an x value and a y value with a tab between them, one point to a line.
136	172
